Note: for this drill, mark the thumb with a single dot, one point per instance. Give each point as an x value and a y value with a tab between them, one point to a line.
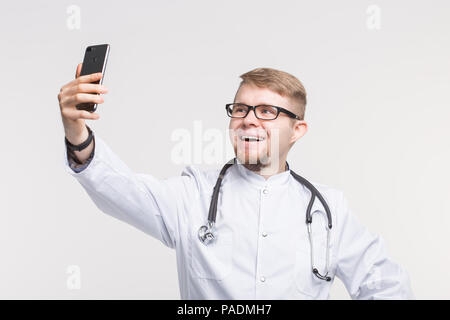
77	74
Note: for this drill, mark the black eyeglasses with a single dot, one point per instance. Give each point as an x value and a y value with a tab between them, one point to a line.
263	111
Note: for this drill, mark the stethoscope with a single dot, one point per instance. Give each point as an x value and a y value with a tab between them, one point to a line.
206	233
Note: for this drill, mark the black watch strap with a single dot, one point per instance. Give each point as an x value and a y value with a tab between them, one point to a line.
82	145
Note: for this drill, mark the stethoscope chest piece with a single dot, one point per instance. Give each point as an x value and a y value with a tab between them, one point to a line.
206	235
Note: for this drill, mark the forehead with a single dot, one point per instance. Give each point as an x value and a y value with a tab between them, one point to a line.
253	95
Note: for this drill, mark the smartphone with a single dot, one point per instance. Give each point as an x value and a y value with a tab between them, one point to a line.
94	61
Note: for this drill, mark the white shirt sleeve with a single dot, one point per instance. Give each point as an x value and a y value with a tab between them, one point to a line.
157	207
363	263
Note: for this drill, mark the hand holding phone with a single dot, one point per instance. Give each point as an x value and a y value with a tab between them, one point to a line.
78	98
95	59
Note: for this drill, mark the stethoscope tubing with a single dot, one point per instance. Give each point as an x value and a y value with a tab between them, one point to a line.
206	234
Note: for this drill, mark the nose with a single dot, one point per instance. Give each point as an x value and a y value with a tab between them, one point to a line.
251	119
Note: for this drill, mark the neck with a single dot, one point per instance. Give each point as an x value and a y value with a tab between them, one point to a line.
268	170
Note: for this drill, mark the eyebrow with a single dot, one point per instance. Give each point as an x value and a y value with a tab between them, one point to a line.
259	104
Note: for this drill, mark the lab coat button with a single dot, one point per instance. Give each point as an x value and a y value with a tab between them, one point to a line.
262	279
264	234
265	191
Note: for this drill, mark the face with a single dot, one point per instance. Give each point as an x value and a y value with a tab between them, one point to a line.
275	137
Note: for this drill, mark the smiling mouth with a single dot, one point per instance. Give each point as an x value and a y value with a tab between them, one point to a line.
251	138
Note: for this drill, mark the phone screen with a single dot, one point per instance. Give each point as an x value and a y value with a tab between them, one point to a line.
94	61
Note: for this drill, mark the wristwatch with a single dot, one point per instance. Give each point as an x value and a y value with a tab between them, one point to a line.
82	145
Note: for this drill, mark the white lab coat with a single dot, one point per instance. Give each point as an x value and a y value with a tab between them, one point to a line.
262	249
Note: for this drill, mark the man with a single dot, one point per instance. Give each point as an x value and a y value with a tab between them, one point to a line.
262	248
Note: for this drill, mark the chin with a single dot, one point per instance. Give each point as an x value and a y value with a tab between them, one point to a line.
252	158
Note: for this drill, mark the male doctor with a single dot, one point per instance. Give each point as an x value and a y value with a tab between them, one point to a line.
262	248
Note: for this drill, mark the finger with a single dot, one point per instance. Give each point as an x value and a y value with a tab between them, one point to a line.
82	98
89	77
68	85
83	79
74	114
86	88
77	73
71	83
88	115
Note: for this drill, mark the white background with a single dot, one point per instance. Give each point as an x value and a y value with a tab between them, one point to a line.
378	112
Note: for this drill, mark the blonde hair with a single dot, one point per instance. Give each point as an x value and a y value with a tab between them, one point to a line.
281	82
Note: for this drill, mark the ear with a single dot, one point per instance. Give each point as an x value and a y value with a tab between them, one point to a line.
299	130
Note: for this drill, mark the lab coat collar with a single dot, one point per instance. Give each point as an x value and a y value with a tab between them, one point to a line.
253	178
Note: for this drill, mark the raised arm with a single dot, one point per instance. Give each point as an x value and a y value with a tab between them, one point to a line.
157	207
77	91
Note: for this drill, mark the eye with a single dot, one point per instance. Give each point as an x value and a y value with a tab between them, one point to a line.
268	110
239	108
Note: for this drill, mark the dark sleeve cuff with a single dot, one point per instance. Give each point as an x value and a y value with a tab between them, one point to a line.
76	164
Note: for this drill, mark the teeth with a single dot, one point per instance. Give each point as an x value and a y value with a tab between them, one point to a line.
251	138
